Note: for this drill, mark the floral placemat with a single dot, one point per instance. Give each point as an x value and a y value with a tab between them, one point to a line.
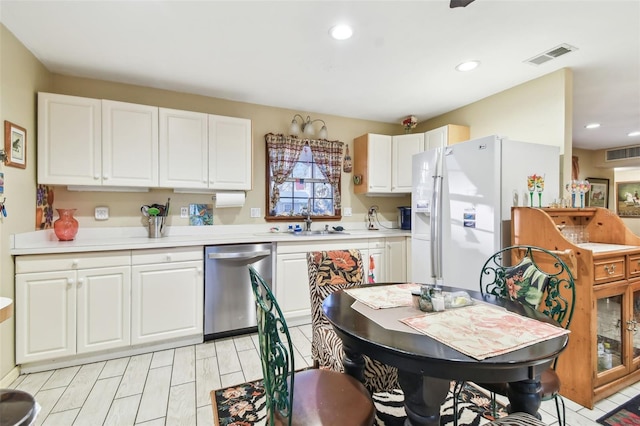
480	331
387	296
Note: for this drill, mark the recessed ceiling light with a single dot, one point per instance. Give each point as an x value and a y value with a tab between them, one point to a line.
592	126
468	66
341	32
637	133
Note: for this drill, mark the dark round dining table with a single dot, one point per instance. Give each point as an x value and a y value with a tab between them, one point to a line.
426	366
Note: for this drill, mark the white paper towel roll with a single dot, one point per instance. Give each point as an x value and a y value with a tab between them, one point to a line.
230	199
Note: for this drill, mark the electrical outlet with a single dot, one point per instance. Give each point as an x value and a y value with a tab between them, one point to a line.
255	212
347	211
101	213
184	212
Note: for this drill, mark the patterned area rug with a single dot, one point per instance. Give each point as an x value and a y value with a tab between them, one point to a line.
244	405
626	414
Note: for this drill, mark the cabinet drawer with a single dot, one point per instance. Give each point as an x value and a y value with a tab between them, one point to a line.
610	269
634	266
70	261
170	254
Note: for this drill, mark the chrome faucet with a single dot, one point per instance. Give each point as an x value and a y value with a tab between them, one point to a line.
308	220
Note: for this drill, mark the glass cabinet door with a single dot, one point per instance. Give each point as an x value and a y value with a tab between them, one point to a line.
632	323
611	333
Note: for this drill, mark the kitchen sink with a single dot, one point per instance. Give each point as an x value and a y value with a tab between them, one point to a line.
316	233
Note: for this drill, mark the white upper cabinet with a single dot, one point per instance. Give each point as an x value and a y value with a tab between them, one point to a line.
403	148
129	144
94	142
69	140
372	163
204	151
84	141
183	149
445	135
229	153
384	162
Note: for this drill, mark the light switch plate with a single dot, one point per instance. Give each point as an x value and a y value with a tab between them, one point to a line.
102	213
184	212
255	212
347	211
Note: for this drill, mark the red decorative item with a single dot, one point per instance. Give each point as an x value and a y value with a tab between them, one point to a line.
66	227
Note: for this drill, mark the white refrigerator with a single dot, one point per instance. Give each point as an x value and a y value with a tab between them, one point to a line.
461	204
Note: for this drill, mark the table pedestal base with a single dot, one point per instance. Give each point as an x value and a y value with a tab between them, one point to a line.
423	397
524	396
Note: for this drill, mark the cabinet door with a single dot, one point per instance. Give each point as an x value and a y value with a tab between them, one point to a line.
229	153
292	287
396	259
69	135
45	316
378	168
610	345
183	149
435	138
374	262
166	301
632	324
129	144
103	308
404	146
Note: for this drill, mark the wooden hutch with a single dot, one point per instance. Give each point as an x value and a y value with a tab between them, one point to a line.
607	306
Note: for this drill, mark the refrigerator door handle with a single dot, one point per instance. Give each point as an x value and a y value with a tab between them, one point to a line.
436	218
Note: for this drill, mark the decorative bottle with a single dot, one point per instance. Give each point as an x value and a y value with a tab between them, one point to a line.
66	227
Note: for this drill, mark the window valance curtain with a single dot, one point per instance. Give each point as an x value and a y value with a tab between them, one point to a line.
284	152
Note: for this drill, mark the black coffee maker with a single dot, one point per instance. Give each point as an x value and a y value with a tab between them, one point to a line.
404	217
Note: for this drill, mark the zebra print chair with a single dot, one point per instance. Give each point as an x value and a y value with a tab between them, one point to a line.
330	271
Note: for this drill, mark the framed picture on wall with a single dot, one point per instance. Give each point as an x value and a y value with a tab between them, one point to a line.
15	145
628	199
598	195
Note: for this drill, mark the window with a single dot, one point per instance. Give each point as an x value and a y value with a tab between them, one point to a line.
303	174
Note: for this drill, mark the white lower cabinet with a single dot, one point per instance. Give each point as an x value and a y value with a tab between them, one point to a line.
67	305
167	294
292	278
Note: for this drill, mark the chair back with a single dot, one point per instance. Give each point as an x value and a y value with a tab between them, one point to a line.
533	276
330	271
276	352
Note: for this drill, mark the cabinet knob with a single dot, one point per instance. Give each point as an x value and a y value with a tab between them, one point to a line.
610	269
199	271
168	257
80	281
74	263
69	282
96	177
105	177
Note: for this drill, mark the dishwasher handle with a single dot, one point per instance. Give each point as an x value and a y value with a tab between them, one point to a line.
240	255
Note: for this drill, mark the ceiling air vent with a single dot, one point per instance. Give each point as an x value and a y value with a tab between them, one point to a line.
622	153
556	52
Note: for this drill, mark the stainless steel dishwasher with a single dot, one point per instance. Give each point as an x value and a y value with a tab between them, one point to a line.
229	305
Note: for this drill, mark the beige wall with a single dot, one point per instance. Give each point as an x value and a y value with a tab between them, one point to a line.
21	76
538	111
592	165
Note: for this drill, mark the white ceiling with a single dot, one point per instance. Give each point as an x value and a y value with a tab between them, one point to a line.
400	60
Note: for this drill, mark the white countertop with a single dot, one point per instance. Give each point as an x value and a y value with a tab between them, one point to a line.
130	238
602	247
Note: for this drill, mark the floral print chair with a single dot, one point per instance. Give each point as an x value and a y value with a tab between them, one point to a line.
330	271
538	278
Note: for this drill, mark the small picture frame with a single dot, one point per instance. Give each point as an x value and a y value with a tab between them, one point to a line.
598	195
15	145
628	199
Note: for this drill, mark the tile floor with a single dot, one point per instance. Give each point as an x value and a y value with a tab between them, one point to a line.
172	387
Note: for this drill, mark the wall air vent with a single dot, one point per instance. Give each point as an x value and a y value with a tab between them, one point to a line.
622	153
556	52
